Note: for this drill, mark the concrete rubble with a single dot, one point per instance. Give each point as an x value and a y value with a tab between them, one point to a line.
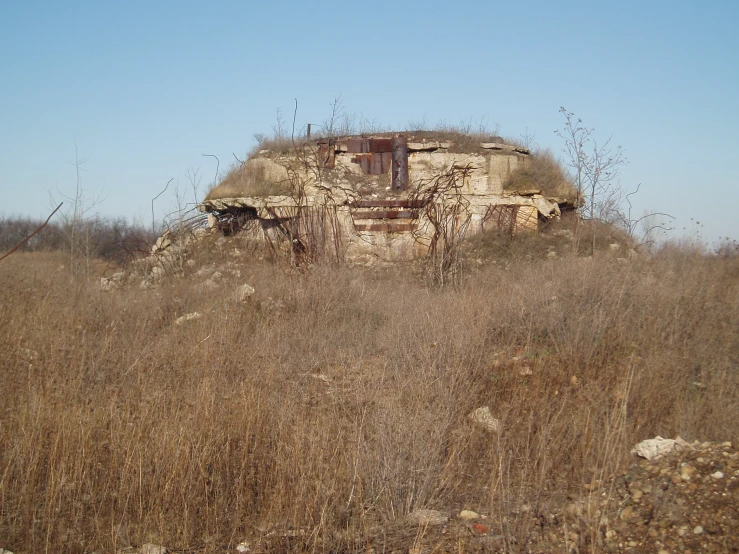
651	449
484	418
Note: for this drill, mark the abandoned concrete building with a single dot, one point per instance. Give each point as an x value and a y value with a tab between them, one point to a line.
391	196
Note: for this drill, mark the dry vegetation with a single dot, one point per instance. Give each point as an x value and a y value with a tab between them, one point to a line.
543	173
336	401
248	180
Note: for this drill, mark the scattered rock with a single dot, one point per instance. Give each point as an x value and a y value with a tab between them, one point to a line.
113	282
187	317
244	292
484	418
162	243
428	517
656	447
157	272
209	284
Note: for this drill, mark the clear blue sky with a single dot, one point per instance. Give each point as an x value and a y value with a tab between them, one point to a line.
145	88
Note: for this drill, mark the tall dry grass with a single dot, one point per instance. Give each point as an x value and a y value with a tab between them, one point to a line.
337	400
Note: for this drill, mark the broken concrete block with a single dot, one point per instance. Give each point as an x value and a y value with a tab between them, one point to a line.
656	447
428	517
187	317
485	419
244	292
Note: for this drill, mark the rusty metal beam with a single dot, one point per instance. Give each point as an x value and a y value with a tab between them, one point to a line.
385	227
382	214
389	203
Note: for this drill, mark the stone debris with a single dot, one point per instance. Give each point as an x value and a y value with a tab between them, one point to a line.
649	508
428	517
483	417
208	285
244	292
656	447
188	317
113	282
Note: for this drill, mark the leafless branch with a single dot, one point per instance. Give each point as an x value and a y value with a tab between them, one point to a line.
29	237
153	225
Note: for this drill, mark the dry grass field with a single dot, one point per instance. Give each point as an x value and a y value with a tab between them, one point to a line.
317	415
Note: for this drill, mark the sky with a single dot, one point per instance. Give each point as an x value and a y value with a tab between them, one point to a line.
138	91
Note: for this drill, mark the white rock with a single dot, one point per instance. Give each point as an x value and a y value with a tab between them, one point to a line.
428	517
162	243
106	284
656	447
188	317
468	514
3	551
718	475
157	272
614	246
484	418
698	530
244	292
243	547
209	284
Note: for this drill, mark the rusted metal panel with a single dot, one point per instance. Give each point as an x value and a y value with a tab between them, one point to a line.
380	145
382	214
389	203
327	154
356	146
400	163
368	145
386	227
374	164
387	161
